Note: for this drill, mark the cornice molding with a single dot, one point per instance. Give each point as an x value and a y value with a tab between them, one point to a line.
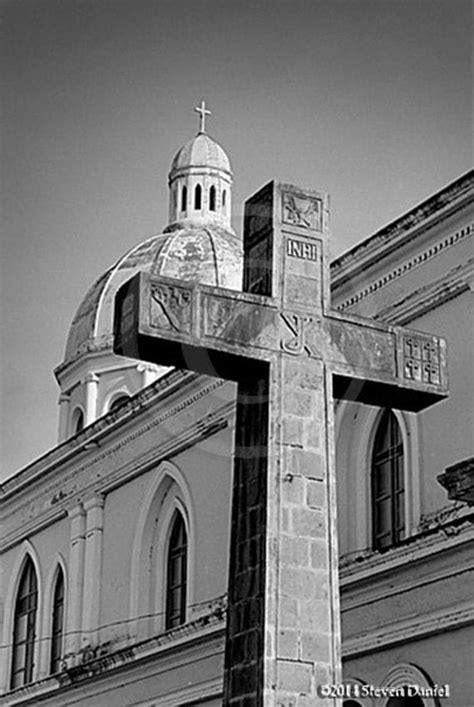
410	629
102	344
442	538
38	523
58	492
450	199
374	595
430	296
408	266
160	390
208	629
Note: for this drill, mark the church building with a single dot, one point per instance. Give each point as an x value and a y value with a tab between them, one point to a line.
115	544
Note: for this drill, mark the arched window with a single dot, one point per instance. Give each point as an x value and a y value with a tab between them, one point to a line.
198	197
388	487
176	574
57	624
212	198
224	198
184	198
118	402
408	674
24	626
78	421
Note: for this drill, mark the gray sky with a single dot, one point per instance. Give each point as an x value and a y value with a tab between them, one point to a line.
367	99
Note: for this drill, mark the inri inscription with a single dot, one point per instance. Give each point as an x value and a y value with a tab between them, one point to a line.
301	249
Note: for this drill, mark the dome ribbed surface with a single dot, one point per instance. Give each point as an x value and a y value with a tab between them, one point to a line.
201	151
206	254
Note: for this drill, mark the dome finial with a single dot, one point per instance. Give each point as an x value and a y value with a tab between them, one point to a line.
201	109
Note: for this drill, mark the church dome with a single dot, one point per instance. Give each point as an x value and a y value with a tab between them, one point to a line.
209	254
201	151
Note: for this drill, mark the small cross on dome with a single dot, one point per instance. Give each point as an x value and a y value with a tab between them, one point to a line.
201	109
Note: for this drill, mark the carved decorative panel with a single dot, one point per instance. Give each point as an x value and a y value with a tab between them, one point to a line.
421	359
170	307
302	211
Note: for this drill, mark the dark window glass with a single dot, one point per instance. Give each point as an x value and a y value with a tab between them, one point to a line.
79	422
224	197
24	627
212	198
388	491
118	402
57	624
413	701
198	197
176	575
184	198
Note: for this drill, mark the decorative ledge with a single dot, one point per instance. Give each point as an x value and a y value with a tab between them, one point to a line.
458	480
442	532
403	228
207	628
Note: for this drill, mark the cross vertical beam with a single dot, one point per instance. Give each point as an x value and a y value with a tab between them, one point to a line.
283	634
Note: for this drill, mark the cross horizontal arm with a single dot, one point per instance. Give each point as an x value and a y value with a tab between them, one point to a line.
232	335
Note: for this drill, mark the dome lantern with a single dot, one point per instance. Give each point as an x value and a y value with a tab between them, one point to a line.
200	181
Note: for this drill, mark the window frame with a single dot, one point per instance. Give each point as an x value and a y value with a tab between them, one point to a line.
28	572
198	197
212	198
57	634
184	198
389	460
176	557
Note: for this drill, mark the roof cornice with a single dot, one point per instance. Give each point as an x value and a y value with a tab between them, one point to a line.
399	232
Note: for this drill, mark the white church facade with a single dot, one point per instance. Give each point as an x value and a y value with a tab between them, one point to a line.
115	543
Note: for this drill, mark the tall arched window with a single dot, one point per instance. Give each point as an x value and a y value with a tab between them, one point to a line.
224	198
24	627
184	198
176	574
388	487
198	197
212	198
57	624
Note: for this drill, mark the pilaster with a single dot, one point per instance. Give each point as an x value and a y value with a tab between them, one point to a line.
76	580
64	403
94	509
92	383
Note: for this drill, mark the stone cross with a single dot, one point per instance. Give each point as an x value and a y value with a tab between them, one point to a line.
201	109
291	356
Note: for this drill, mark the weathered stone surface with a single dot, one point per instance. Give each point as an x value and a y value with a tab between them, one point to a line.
308	522
458	480
294	551
289	354
295	677
316	494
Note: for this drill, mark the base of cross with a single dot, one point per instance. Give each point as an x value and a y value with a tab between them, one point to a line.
291	355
